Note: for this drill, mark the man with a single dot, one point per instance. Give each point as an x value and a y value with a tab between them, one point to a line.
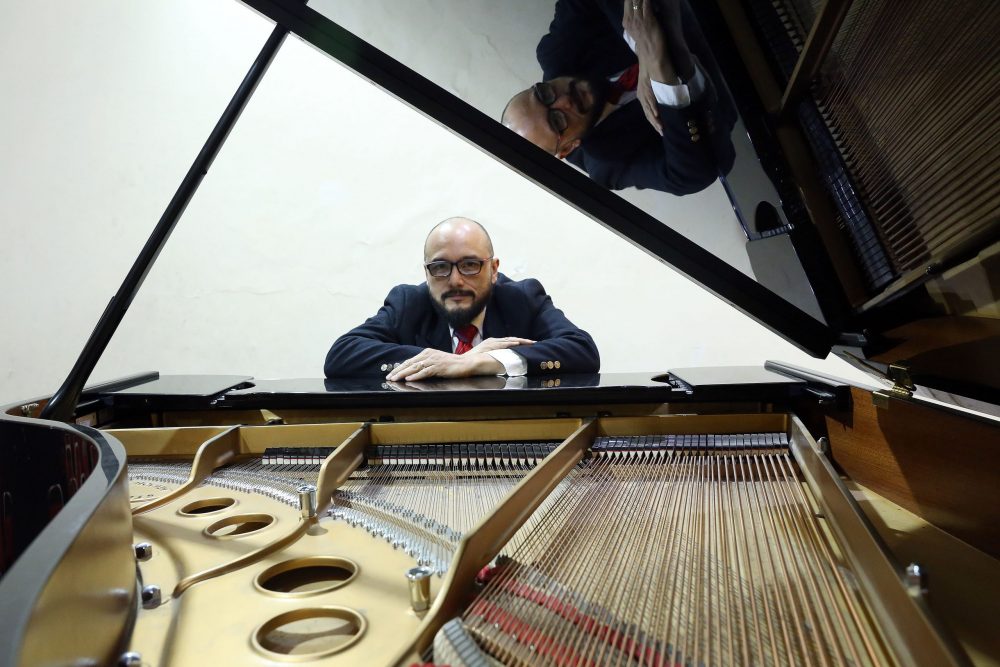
628	96
466	320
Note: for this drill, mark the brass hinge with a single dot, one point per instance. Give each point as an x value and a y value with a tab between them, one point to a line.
902	386
270	418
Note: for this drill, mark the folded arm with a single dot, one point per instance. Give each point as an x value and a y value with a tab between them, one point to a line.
560	346
374	347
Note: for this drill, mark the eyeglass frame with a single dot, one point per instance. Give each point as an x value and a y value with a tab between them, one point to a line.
454	265
551	114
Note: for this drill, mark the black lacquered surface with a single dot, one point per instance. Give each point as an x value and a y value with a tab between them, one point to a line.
177	392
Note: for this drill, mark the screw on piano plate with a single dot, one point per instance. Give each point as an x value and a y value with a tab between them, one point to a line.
151	596
130	659
307	501
420	587
823	445
143	550
915	580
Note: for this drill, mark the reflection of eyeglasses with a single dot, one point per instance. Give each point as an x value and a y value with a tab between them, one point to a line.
546	94
467	267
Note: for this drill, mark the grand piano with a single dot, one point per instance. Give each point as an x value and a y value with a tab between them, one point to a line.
701	516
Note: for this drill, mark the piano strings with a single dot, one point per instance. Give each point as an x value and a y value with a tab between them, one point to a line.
424	498
720	556
909	92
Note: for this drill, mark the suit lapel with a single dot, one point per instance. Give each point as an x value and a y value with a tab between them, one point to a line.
494	325
432	329
438	336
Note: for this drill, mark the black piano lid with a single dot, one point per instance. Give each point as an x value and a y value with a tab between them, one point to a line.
195	392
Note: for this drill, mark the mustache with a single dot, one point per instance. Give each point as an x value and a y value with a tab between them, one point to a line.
458	292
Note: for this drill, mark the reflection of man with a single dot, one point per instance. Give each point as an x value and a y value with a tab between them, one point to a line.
626	96
467	319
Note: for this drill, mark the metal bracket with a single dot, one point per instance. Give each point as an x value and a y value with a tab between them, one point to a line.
902	387
270	418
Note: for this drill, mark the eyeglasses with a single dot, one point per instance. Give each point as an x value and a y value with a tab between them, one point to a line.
546	94
467	267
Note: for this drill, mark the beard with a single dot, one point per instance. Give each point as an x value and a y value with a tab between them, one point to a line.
599	89
460	317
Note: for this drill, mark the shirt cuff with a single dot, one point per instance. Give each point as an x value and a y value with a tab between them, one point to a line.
513	363
681	95
678	96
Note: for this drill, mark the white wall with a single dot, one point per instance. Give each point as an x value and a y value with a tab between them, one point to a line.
316	206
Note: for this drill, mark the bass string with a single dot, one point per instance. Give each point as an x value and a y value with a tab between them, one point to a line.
676	469
634	587
786	581
778	636
582	570
749	646
808	625
835	589
531	556
662	474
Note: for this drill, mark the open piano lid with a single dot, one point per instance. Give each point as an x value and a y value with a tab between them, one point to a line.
925	317
931	320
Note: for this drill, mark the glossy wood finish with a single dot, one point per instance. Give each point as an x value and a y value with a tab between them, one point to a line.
940	465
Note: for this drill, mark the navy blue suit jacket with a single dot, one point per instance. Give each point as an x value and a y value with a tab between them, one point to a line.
407	323
585	38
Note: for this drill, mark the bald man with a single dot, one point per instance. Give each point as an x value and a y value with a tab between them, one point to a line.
467	319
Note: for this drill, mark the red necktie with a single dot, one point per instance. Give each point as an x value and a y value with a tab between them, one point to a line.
465	337
624	83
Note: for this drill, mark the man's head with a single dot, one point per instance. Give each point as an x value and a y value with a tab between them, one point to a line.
460	269
556	115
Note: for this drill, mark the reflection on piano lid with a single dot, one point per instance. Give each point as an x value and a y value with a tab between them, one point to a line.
868	190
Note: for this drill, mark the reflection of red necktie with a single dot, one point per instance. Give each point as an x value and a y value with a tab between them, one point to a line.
626	82
465	337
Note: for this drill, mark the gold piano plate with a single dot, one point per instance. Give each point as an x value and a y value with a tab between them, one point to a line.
304	577
207	506
762	524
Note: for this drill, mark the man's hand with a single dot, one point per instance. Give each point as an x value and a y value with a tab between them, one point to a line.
644	91
435	363
641	23
491	344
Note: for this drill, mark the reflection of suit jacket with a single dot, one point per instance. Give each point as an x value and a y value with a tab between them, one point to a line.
408	322
623	150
